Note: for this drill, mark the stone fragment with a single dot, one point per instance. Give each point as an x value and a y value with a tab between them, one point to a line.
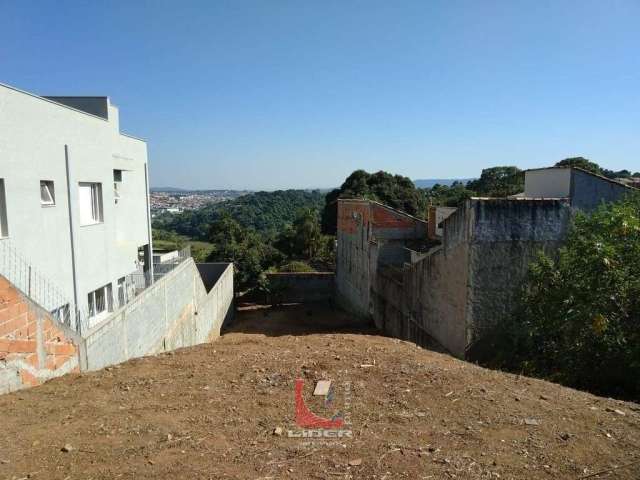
322	388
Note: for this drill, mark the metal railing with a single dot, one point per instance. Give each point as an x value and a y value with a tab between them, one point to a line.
31	281
100	303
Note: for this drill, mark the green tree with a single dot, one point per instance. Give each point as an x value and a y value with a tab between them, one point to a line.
580	318
244	247
448	196
498	182
393	190
303	239
582	163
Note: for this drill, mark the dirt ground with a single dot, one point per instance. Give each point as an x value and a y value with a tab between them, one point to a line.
225	409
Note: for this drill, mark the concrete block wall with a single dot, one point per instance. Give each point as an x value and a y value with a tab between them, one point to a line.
301	287
459	289
176	311
588	191
33	346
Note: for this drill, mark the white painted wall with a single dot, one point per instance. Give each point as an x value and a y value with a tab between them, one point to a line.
33	135
547	183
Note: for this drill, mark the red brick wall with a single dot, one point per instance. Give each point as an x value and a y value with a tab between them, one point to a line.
385	218
353	214
33	348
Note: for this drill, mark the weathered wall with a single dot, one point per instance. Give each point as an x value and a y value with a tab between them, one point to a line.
33	346
301	287
358	255
507	236
589	191
436	216
457	290
352	256
175	312
547	182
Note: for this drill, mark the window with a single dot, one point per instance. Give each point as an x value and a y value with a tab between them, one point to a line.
4	230
100	301
90	199
62	314
121	291
117	182
47	195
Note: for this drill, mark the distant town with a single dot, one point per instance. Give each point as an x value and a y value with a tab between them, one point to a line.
173	200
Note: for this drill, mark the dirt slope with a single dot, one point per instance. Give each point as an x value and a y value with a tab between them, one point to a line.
211	411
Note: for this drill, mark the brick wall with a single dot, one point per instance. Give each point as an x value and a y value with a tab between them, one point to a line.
33	347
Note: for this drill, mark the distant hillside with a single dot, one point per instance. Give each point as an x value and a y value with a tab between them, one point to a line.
430	182
267	212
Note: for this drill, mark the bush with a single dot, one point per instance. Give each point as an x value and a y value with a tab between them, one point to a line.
296	266
579	321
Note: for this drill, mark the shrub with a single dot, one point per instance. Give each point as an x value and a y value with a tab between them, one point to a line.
579	320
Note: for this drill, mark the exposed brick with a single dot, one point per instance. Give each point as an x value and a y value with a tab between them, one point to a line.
50	362
17	346
32	359
28	379
9	327
60	348
16	310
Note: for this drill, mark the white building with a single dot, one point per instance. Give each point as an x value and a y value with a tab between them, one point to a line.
585	190
73	201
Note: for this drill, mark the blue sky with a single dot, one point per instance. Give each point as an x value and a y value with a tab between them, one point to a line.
285	94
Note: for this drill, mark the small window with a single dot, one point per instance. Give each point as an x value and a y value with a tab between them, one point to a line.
117	182
62	314
90	199
47	194
4	230
100	301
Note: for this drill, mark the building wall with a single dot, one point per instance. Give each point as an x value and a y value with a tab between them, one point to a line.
358	255
33	135
589	191
547	183
507	236
457	290
352	256
436	216
33	347
436	288
301	287
177	311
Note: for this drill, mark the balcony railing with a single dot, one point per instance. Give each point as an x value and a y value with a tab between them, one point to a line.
31	281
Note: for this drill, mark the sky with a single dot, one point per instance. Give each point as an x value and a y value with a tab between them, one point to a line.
298	94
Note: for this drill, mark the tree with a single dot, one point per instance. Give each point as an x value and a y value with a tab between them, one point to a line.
448	196
582	163
303	239
498	182
242	246
395	191
579	323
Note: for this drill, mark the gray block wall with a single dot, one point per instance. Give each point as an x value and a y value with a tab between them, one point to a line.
590	191
301	287
457	291
177	311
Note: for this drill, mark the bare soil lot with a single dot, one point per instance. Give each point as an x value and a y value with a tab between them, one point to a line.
210	412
